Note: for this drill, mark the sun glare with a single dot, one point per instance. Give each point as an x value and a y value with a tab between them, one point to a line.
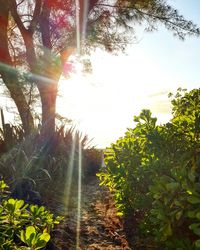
103	104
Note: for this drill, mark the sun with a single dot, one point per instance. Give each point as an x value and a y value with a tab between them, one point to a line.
103	104
77	97
94	107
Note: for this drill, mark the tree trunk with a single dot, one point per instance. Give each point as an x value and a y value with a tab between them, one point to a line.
20	101
48	94
10	75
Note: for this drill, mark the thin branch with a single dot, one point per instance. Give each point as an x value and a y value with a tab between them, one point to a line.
167	20
26	35
143	13
13	50
36	15
20	25
20	2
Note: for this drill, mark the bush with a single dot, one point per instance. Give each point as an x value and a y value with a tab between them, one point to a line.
154	173
49	169
23	226
92	161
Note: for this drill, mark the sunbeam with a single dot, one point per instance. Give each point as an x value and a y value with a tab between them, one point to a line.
78	44
69	174
78	37
79	196
84	21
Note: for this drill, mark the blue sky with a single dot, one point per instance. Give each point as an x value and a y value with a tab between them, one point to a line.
178	58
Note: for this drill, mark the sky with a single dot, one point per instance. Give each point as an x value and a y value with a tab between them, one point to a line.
103	104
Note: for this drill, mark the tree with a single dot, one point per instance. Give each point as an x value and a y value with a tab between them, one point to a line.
37	37
9	74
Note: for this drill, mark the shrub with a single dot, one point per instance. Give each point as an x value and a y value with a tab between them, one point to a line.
50	168
154	173
23	226
92	161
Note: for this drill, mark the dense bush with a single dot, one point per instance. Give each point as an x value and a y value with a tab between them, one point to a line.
49	169
154	173
93	159
23	226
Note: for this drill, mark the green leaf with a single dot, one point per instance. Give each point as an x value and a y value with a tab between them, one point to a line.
10	205
30	235
191	214
45	237
178	215
120	214
198	215
3	185
30	230
167	230
195	228
33	208
197	231
11	202
41	209
19	204
172	185
193	200
189	192
42	240
197	243
40	244
22	236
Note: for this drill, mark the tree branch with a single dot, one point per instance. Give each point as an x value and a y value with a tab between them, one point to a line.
167	20
26	35
35	18
45	26
20	25
157	17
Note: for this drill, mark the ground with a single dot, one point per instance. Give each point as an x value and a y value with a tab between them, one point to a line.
100	227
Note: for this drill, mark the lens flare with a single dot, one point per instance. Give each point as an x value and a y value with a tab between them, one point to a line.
78	36
69	175
78	44
79	196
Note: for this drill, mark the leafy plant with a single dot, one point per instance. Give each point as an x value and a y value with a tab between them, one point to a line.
41	174
23	226
92	161
33	239
154	173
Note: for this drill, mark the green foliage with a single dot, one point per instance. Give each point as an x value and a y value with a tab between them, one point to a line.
33	239
92	162
154	171
151	12
50	171
23	226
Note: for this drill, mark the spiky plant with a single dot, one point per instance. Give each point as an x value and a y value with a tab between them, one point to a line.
50	170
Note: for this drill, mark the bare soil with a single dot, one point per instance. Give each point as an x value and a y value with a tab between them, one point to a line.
100	227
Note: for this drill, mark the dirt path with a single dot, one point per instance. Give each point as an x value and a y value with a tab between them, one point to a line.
100	228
